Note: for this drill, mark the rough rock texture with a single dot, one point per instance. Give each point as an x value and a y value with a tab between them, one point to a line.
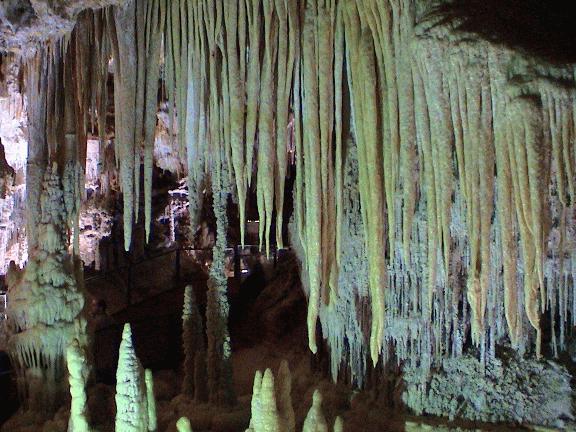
45	303
131	400
95	224
25	23
509	390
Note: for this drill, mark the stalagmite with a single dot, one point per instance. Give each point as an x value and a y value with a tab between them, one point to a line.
219	352
131	400
193	383
78	376
283	390
338	425
266	417
183	425
151	401
271	402
315	421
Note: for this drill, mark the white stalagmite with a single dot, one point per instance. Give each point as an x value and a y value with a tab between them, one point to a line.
151	401
284	398
271	402
131	400
183	425
78	372
315	420
338	424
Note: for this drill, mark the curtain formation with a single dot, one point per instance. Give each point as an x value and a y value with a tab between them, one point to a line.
463	153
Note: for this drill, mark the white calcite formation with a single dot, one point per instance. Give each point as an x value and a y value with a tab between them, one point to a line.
271	403
131	394
435	170
183	425
315	420
78	372
219	349
44	303
151	402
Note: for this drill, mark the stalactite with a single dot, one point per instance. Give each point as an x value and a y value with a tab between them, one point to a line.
155	19
196	117
287	40
253	82
266	138
505	200
36	90
360	60
526	171
312	173
234	20
124	48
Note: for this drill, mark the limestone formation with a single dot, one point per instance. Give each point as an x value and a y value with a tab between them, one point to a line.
131	393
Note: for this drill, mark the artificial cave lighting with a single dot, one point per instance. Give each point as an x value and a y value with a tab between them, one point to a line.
287	215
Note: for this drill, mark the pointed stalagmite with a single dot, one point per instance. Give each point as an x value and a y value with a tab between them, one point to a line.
151	401
131	395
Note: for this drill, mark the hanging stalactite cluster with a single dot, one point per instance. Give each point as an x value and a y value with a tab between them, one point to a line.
464	153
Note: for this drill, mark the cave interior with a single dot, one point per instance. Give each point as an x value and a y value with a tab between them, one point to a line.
287	215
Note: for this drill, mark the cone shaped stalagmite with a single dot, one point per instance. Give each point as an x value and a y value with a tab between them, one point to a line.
131	400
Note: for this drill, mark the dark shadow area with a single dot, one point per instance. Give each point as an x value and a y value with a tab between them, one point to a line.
544	29
8	394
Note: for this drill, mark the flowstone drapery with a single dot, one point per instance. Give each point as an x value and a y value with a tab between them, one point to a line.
45	303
